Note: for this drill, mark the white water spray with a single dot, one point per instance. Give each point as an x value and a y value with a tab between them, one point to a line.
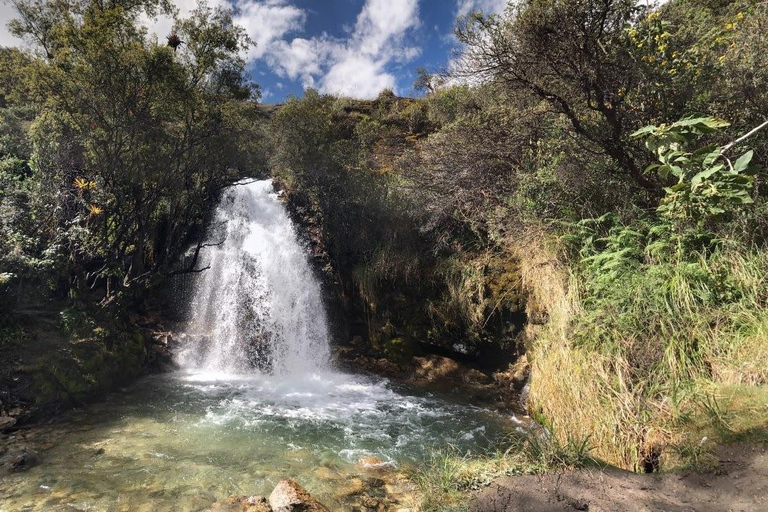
259	305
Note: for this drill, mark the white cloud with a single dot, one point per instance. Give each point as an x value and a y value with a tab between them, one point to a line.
378	39
358	76
267	22
355	65
464	7
302	59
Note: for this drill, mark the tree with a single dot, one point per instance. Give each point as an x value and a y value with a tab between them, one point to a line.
425	81
134	140
571	55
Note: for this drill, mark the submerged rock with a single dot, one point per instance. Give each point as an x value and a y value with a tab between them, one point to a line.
288	496
24	460
244	504
368	462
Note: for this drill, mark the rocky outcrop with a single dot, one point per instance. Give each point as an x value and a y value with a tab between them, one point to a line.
434	372
288	496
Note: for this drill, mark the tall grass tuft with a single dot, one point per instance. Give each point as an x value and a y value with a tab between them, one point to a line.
447	477
636	343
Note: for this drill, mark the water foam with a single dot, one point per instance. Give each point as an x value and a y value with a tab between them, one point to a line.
259	305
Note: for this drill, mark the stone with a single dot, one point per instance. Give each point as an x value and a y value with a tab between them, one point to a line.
435	368
24	460
288	496
6	423
250	503
368	462
242	504
476	377
354	487
516	376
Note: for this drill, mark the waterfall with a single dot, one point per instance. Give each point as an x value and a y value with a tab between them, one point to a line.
258	307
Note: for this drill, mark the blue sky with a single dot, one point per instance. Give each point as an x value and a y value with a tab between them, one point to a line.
350	47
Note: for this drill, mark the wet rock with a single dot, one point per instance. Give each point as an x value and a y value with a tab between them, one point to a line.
244	504
524	394
386	367
476	377
375	488
24	460
6	423
325	473
354	487
368	462
516	376
437	368
288	496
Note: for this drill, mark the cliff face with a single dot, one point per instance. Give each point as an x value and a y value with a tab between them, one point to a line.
401	300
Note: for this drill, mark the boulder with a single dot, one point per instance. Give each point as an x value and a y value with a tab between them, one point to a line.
516	376
476	377
435	368
7	423
288	496
24	460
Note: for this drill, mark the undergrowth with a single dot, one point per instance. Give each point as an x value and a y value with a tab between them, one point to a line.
661	343
447	477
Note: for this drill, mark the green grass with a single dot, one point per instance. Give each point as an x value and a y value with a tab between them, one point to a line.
662	346
447	478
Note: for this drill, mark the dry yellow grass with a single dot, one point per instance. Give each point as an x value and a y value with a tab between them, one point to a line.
583	393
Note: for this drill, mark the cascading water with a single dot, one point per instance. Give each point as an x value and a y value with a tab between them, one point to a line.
256	400
259	304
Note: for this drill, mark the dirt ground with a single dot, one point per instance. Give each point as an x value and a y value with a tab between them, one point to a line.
740	485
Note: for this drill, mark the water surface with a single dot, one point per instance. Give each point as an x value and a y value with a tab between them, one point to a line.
188	440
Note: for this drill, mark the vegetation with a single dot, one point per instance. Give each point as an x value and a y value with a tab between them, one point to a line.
446	477
594	198
603	178
113	148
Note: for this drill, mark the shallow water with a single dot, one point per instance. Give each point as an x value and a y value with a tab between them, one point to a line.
188	440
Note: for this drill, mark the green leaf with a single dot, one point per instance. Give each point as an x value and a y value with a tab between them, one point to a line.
743	162
644	131
711	157
703	175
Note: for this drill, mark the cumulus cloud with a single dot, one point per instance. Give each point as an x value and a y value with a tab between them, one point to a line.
303	59
378	40
267	22
357	64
